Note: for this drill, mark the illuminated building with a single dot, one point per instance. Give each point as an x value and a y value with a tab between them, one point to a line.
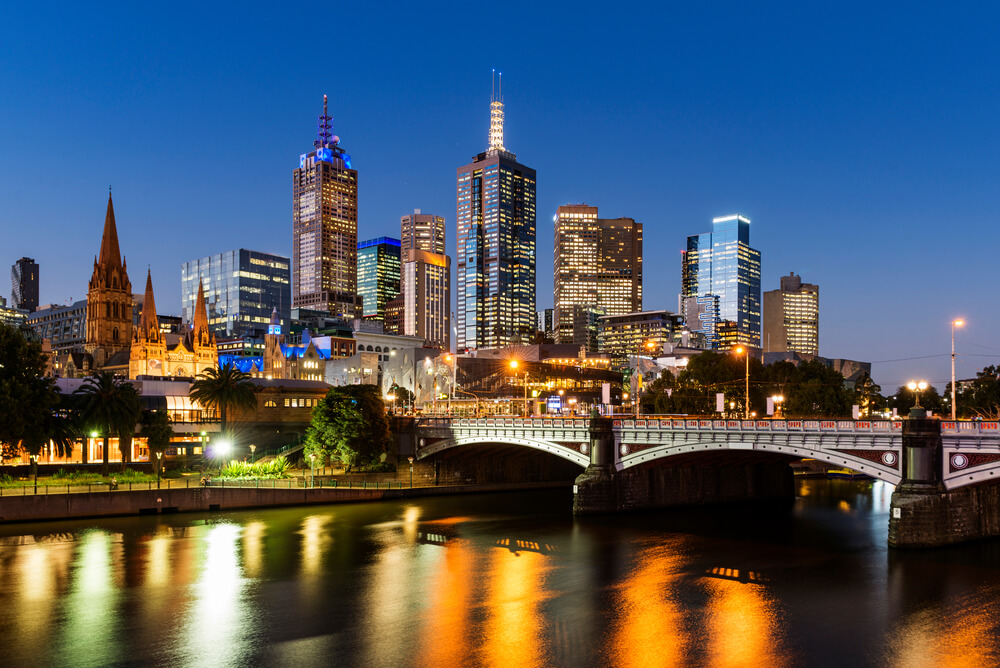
721	264
496	245
641	333
378	274
791	317
24	284
597	271
13	317
242	288
426	281
394	313
325	227
109	301
422	231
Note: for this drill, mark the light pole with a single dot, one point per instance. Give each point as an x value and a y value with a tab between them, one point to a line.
954	324
411	471
453	363
649	345
34	465
778	400
917	386
159	467
312	468
253	449
740	350
513	366
392	397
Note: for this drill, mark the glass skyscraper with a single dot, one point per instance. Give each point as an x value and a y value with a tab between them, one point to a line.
24	284
721	264
242	287
378	275
496	246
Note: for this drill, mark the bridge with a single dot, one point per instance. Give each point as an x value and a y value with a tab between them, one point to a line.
942	469
871	447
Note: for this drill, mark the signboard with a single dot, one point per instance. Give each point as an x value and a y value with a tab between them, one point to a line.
554	404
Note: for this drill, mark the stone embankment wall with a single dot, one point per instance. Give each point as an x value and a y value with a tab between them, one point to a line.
944	518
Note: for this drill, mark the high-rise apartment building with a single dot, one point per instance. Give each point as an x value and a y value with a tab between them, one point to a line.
496	245
378	275
597	271
422	231
325	227
791	317
24	284
722	265
426	281
242	287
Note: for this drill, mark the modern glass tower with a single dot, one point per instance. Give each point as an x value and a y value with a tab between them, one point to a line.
325	227
496	245
722	265
378	274
24	284
242	288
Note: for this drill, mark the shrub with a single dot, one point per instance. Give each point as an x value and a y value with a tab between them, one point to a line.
276	468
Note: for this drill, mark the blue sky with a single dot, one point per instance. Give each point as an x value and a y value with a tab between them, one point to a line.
860	140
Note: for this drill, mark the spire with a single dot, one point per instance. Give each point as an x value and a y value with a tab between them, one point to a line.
324	128
110	254
149	324
200	315
496	114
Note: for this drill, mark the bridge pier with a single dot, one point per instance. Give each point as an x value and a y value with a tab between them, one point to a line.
923	513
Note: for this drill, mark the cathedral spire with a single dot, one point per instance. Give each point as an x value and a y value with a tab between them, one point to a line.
149	325
200	334
110	254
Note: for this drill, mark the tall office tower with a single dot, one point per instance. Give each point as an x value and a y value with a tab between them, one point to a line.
242	287
24	284
791	317
721	263
597	270
325	227
378	275
496	245
109	298
426	292
422	231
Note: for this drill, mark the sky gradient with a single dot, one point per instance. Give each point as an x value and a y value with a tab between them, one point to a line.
860	140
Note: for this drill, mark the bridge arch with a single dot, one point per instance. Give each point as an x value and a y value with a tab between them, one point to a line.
576	456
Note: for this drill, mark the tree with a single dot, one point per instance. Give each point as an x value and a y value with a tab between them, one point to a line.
403	396
818	391
349	424
982	398
112	405
157	431
905	399
58	429
224	388
867	395
27	398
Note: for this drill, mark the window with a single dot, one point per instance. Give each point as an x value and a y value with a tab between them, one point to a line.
270	403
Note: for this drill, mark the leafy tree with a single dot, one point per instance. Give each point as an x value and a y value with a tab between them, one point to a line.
982	399
224	388
58	429
818	391
27	398
868	395
349	424
113	406
157	431
403	396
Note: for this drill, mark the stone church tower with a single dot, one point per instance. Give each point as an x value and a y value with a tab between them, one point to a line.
109	298
275	364
149	347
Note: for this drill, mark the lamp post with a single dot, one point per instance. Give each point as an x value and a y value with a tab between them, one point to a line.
778	400
392	397
453	363
411	471
954	324
253	449
159	469
740	350
34	465
312	468
917	386
513	366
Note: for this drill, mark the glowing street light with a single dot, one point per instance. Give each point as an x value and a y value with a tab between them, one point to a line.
954	324
740	350
513	366
917	386
778	400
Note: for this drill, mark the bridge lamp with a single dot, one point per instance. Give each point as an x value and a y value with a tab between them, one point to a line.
917	386
778	400
954	324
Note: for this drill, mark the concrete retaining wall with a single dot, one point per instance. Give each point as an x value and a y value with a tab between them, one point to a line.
924	519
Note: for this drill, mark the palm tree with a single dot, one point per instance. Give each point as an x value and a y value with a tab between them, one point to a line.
58	428
224	388
113	406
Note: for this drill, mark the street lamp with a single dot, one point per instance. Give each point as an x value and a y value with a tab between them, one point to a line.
34	465
740	350
917	386
453	363
159	469
778	400
411	471
392	397
954	324
253	449
513	366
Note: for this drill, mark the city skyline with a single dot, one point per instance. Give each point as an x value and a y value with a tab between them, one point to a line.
833	153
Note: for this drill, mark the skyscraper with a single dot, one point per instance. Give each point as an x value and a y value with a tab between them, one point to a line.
378	275
241	288
597	271
24	284
496	245
325	227
422	231
791	317
722	265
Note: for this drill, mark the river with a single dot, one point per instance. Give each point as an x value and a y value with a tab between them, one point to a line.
498	580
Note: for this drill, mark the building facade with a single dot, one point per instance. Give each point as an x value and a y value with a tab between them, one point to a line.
721	264
496	245
378	275
644	333
325	227
791	317
422	231
242	288
24	284
597	269
426	292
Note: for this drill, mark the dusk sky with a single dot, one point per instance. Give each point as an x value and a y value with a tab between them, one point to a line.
860	139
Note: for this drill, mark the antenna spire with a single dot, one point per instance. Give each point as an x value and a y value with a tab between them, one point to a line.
324	128
496	115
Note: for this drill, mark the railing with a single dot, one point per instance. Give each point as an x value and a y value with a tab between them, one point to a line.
192	483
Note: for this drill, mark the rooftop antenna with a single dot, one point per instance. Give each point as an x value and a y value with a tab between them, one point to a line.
324	128
496	115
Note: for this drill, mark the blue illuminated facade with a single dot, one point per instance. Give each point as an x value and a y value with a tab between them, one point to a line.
721	283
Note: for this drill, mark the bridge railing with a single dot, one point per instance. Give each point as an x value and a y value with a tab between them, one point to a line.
512	422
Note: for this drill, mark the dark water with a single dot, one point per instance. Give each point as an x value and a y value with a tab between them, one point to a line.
502	580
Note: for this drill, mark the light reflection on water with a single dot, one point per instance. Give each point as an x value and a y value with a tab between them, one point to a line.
498	580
